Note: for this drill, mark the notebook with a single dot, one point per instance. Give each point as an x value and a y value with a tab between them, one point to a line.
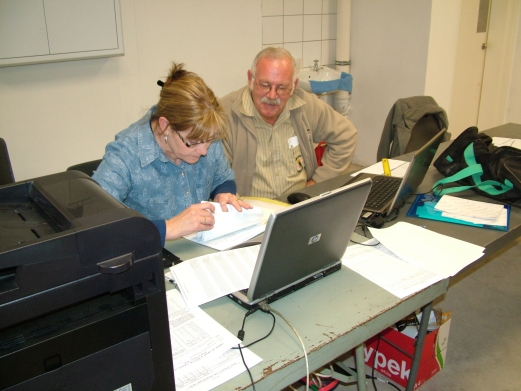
389	193
304	243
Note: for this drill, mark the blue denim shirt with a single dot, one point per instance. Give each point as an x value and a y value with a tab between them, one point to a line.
135	171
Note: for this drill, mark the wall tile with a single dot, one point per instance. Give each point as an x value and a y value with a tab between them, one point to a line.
329	7
329	26
293	7
328	53
293	28
312	7
312	27
272	29
311	51
272	7
296	51
279	45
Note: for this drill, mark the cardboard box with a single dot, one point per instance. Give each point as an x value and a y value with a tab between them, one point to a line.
395	352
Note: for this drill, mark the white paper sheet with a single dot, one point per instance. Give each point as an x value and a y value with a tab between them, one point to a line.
469	208
211	276
431	251
194	335
237	232
385	269
502	141
201	348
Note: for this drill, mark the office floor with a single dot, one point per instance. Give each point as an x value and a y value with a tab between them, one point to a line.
484	351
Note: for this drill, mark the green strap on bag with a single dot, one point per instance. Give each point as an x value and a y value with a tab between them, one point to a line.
474	171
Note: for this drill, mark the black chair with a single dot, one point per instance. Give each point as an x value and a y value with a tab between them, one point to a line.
87	167
6	171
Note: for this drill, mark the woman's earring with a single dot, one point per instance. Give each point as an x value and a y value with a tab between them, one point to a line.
166	139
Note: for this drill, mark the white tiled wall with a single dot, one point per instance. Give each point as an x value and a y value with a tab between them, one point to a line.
307	28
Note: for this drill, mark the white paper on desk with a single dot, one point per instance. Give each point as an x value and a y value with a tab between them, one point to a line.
211	276
385	269
194	335
201	348
469	208
437	253
398	168
502	219
218	371
503	141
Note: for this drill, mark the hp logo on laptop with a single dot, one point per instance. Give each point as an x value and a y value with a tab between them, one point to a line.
314	239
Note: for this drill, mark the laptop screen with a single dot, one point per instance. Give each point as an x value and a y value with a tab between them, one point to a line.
306	239
417	169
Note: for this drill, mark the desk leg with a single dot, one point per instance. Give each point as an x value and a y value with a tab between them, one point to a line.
360	367
426	312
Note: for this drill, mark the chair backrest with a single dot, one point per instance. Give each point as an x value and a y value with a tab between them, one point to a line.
87	167
416	113
6	171
425	129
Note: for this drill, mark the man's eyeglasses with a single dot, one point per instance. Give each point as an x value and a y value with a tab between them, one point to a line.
280	90
192	144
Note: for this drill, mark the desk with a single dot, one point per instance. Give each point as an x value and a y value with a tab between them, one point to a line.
490	239
332	316
339	313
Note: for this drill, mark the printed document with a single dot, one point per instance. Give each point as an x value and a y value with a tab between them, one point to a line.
211	276
385	269
232	228
439	254
201	348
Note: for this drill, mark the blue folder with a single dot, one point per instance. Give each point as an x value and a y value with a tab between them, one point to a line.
423	208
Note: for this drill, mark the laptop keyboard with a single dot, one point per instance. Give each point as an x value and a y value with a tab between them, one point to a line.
382	191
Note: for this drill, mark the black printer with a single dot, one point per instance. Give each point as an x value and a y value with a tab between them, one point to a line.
82	290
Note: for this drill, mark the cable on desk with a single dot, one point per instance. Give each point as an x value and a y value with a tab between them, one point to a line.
240	335
266	308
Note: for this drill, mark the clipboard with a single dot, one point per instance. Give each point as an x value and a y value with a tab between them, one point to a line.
423	208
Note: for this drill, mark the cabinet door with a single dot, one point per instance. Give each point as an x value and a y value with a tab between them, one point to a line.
81	26
36	31
22	29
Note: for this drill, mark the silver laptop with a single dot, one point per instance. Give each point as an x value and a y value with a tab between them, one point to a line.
389	193
304	243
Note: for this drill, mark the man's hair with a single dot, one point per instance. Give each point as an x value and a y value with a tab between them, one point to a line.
274	53
187	102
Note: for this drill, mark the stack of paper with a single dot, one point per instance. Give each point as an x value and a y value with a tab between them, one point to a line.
232	227
201	348
409	258
475	212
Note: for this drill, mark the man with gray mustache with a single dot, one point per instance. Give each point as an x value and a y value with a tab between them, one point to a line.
274	127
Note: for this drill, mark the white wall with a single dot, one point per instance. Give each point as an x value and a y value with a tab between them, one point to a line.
513	111
55	115
389	51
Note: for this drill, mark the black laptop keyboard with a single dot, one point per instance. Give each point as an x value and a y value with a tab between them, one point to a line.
382	191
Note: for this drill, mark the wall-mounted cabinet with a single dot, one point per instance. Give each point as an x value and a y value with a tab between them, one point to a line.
37	31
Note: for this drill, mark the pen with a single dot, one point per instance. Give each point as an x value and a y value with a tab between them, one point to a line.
387	169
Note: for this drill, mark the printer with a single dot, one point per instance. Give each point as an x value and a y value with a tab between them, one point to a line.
82	290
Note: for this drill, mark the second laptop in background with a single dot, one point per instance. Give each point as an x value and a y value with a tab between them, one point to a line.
388	192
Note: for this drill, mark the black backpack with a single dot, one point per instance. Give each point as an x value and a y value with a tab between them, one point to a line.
475	163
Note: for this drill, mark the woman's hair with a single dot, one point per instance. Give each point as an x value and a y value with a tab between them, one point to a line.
187	102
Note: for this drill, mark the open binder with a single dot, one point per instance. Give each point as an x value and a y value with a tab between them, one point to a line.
423	208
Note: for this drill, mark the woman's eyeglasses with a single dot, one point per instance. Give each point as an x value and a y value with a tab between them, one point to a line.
192	144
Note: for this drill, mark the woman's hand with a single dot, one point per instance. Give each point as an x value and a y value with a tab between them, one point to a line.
195	218
228	198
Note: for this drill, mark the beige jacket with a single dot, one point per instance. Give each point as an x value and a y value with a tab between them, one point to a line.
313	122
